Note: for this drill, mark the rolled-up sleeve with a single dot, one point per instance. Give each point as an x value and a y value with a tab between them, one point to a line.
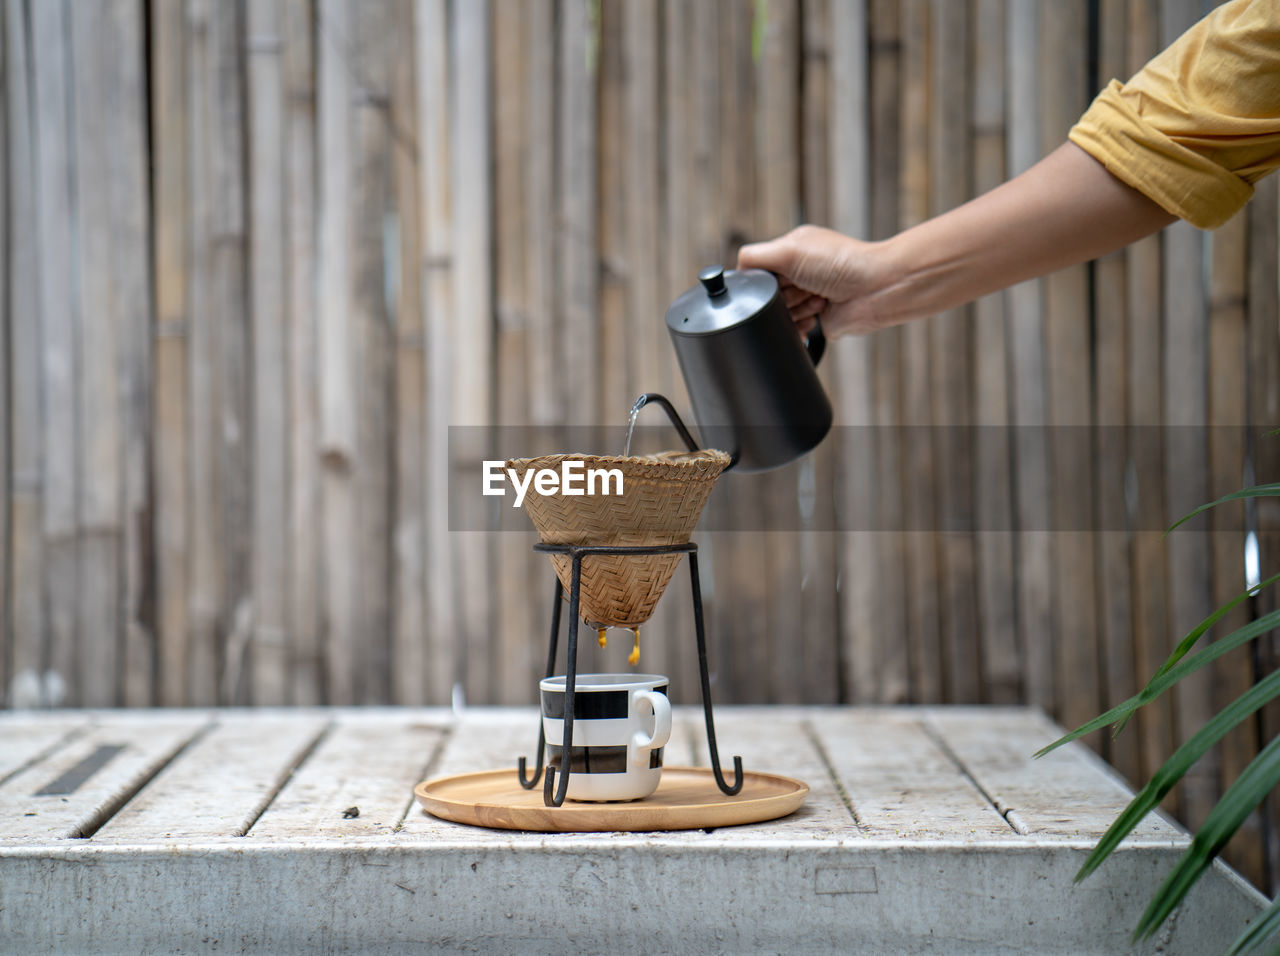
1200	123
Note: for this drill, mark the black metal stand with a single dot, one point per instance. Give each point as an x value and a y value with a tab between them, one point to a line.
553	790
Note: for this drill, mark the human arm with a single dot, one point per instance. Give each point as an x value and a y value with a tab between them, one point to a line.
1064	210
1187	137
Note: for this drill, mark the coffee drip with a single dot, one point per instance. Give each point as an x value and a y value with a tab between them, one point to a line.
634	657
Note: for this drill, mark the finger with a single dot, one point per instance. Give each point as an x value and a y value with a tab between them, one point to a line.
806	326
793	295
810	307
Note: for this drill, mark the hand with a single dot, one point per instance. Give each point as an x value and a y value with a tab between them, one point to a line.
823	275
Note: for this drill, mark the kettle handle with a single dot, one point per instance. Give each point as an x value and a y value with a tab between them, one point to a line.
816	343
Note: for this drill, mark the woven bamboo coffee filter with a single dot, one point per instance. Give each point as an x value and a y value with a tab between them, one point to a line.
662	497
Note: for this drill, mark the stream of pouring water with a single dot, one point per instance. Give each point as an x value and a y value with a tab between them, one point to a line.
634	657
631	423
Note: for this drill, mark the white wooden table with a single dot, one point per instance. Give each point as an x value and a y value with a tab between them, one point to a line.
926	830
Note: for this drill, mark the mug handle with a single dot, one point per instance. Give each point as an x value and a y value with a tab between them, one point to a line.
641	745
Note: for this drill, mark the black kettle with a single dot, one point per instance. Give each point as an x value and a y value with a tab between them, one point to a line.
750	375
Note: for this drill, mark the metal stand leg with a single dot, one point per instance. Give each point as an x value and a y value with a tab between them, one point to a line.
570	684
554	790
532	782
706	687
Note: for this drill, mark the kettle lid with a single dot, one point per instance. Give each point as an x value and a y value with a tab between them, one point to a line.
721	300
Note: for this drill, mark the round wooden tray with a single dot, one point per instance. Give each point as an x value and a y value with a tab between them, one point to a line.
686	799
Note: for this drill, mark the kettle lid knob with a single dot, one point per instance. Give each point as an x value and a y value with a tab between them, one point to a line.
712	279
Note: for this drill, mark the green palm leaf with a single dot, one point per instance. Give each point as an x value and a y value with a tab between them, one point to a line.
1257	491
1198	631
1159	684
1162	780
1224	819
1265	925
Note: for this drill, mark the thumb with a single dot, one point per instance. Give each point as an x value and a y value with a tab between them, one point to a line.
776	255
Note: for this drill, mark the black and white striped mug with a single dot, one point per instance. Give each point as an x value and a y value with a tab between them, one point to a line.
620	724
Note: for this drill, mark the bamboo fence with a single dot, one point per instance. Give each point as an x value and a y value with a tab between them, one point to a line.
262	256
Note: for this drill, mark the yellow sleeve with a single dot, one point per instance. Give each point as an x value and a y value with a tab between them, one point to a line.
1200	123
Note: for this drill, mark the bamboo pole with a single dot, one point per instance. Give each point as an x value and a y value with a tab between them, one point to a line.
517	650
1227	415
850	210
778	180
369	335
473	354
738	642
435	192
951	368
741	639
306	665
575	131
917	459
1264	408
1024	305
1186	474
647	342
170	122
268	285
1001	677
1152	637
99	463
538	282
884	132
204	496
615	395
670	632
60	331
227	286
1111	386
130	210
677	178
408	599
816	480
339	341
545	401
25	624
6	415
1066	337
1186	478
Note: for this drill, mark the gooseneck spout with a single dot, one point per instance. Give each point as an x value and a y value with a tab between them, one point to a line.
657	399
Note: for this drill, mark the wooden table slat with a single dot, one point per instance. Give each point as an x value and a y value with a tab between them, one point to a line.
901	784
1068	794
780	743
52	817
23	742
220	785
483	740
373	768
